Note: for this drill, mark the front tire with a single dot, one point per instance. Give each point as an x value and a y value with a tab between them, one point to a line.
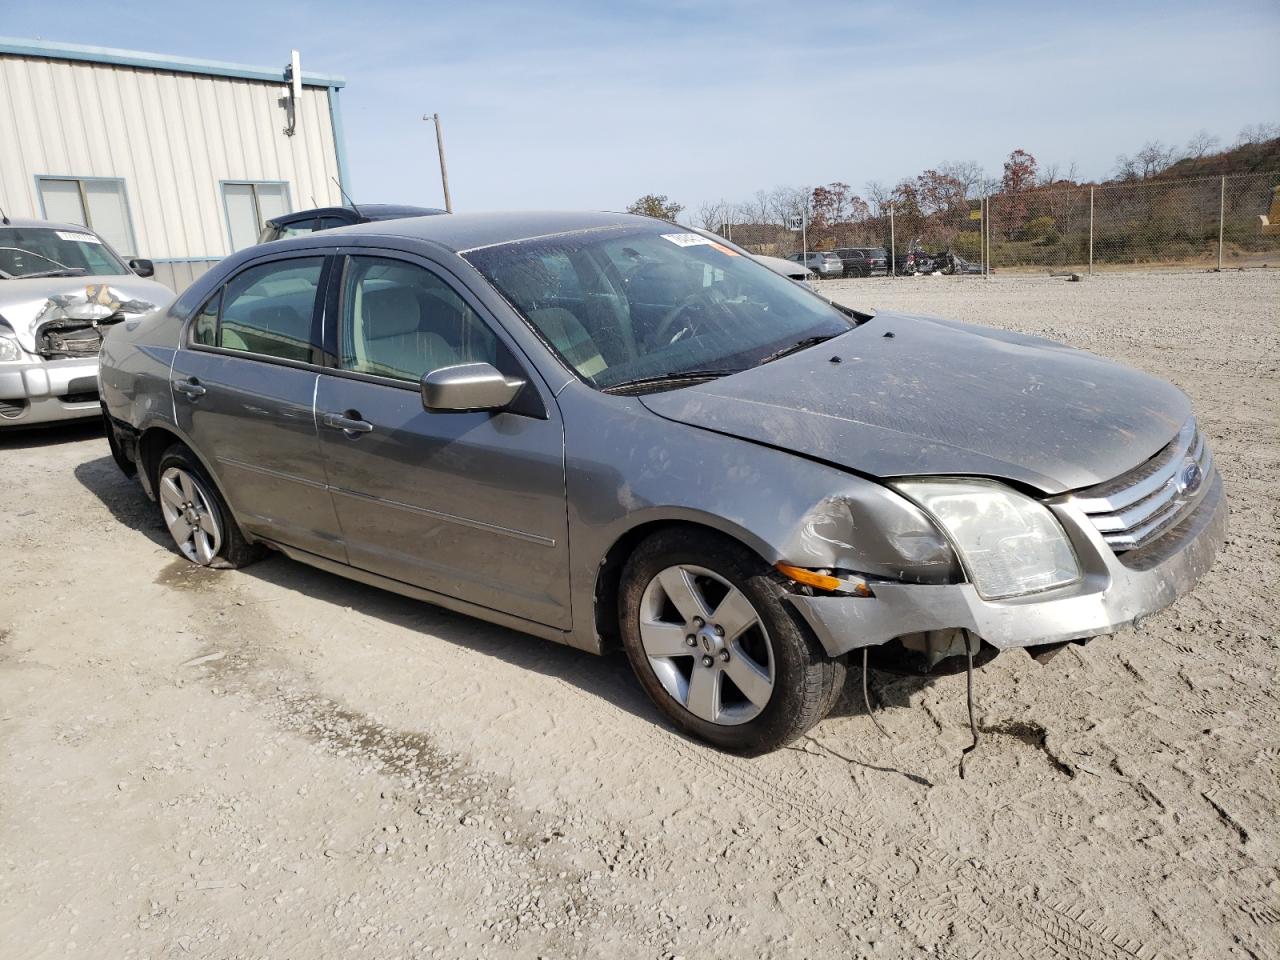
202	527
754	677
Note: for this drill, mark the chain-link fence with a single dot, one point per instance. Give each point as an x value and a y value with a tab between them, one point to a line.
1226	222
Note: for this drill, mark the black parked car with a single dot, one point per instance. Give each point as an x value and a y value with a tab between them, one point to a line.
864	261
327	218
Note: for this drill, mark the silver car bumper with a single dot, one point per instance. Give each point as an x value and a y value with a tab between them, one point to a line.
1111	594
44	392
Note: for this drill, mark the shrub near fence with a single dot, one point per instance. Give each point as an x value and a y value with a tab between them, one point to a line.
1177	222
1134	224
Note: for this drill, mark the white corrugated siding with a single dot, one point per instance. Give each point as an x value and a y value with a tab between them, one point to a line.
172	137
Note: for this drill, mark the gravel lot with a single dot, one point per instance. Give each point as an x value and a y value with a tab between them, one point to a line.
278	763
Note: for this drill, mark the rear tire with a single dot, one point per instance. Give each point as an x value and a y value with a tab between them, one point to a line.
780	682
202	527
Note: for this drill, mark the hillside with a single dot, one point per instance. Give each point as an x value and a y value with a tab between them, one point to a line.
1247	158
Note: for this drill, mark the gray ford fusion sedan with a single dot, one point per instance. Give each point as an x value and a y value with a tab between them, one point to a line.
608	430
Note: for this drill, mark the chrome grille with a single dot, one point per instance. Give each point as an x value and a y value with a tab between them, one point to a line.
1134	509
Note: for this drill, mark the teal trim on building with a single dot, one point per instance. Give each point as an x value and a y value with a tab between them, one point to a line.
155	61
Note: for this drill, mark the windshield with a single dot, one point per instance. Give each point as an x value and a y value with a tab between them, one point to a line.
45	251
629	304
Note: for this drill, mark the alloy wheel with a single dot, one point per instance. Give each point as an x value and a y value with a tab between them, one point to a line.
707	645
189	515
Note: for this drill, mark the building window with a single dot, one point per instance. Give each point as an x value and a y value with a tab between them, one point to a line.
249	206
94	202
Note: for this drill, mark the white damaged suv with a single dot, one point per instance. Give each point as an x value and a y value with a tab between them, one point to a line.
60	284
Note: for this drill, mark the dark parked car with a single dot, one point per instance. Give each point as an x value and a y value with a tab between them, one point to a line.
327	218
609	431
864	261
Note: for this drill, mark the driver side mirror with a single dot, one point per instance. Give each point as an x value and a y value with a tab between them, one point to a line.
468	387
142	267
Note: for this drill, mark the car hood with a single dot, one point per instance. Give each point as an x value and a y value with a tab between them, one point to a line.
916	396
26	304
788	268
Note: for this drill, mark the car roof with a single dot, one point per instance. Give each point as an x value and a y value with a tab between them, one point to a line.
461	232
47	225
369	211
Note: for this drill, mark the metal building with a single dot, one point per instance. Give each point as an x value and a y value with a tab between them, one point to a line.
173	159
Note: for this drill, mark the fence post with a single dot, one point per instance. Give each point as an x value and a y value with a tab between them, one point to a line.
1091	231
893	247
986	236
982	233
1222	215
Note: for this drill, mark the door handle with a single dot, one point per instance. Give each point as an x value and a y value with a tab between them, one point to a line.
191	387
349	425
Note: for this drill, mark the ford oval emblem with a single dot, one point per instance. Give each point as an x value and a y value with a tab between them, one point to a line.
1190	478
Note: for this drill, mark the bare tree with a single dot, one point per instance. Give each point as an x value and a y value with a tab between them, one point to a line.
1258	133
1152	159
968	173
787	202
714	214
878	197
1200	144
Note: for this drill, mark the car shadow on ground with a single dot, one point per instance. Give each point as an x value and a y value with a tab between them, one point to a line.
51	434
608	677
123	496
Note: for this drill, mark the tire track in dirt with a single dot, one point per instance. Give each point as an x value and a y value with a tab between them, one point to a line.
1010	918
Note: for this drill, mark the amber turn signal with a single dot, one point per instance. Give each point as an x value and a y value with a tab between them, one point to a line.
822	581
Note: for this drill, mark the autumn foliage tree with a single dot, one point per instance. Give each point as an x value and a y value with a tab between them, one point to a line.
656	205
1021	173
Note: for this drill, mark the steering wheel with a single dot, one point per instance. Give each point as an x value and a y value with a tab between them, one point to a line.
670	318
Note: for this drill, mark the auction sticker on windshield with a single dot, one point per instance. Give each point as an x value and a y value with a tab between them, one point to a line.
696	240
687	239
77	237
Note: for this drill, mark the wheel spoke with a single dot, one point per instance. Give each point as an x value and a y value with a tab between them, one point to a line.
206	522
170	493
664	639
188	488
748	677
703	699
179	529
735	614
680	590
204	547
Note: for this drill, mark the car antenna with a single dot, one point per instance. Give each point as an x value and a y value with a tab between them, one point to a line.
346	195
4	217
973	726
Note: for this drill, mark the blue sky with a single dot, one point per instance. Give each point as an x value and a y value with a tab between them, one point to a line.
589	105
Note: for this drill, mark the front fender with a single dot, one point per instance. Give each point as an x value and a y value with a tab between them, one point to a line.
627	467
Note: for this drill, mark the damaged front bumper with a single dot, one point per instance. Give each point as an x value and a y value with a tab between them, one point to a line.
45	391
1115	591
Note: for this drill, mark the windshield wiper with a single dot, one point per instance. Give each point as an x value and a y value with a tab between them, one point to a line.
796	348
682	376
60	272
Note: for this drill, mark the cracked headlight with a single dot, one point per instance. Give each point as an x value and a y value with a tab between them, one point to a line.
9	349
1010	544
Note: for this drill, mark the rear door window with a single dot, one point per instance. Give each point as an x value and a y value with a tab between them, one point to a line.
268	310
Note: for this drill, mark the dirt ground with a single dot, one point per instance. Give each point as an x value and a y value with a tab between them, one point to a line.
278	763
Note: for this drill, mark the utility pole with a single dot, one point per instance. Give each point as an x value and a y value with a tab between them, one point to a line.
444	171
804	230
